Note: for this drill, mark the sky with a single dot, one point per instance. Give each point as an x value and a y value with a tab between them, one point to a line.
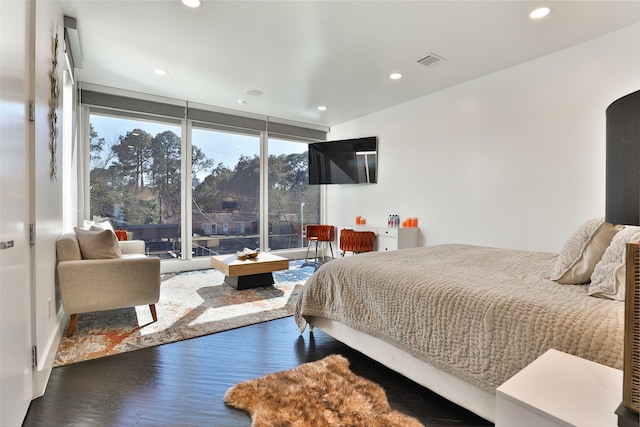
222	147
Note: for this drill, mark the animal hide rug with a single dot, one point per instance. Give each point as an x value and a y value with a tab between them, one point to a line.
324	393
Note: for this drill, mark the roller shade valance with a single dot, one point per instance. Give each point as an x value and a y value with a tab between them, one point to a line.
99	99
282	130
252	124
228	120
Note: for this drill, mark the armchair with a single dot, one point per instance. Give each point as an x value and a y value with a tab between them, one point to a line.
88	285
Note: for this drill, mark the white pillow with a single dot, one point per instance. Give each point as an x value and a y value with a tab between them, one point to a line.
98	222
98	244
609	277
582	251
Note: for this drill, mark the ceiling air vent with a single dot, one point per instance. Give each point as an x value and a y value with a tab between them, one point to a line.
431	59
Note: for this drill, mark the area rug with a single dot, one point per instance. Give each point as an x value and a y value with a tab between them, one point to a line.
191	304
324	393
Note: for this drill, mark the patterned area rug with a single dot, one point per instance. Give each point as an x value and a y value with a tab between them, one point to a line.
191	304
324	393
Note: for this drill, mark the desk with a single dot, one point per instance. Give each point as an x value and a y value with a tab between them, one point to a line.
249	273
389	238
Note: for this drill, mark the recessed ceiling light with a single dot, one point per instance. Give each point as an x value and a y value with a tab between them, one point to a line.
192	3
160	72
539	13
254	92
322	108
395	76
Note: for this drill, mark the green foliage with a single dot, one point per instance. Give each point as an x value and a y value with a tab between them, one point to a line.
288	188
137	180
210	194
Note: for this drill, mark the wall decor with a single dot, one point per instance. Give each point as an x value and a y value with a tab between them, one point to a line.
54	100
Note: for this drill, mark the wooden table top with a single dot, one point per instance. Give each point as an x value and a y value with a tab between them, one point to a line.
266	262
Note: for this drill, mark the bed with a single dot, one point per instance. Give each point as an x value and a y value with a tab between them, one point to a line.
460	319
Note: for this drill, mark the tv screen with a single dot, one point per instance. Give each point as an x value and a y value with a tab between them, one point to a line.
346	161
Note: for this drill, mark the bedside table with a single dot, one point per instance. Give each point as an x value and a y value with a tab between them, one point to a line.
558	389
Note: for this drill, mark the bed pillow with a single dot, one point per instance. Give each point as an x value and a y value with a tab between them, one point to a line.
582	251
608	279
98	244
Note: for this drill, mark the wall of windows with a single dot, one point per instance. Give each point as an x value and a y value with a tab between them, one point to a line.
240	187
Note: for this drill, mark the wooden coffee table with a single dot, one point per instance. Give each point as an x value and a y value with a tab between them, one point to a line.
249	273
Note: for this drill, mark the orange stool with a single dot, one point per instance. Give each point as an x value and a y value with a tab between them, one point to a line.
320	233
357	241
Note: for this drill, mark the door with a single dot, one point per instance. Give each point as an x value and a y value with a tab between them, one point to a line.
16	372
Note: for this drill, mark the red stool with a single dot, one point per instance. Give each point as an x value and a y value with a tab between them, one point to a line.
357	241
320	233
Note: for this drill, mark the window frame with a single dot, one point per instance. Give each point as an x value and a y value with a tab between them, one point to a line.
125	104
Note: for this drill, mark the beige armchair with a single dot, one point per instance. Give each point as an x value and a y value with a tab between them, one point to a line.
105	284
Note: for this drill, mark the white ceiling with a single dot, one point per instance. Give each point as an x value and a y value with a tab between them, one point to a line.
302	54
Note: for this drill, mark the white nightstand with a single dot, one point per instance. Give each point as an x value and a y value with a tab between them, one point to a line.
559	389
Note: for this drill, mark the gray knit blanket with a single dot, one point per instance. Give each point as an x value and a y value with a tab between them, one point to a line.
479	313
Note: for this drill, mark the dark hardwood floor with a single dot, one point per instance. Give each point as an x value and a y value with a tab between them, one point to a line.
182	384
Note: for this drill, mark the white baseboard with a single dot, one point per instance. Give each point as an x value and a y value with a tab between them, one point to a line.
47	355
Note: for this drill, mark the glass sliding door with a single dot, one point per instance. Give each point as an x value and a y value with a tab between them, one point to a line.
135	178
292	201
225	191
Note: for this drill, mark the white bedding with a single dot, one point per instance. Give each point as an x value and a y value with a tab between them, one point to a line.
480	314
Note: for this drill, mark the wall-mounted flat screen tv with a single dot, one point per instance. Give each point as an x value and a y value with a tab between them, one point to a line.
346	161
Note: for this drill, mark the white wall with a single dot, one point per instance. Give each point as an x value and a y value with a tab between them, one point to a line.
514	159
47	193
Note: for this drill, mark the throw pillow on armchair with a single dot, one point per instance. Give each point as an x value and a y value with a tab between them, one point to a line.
98	244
